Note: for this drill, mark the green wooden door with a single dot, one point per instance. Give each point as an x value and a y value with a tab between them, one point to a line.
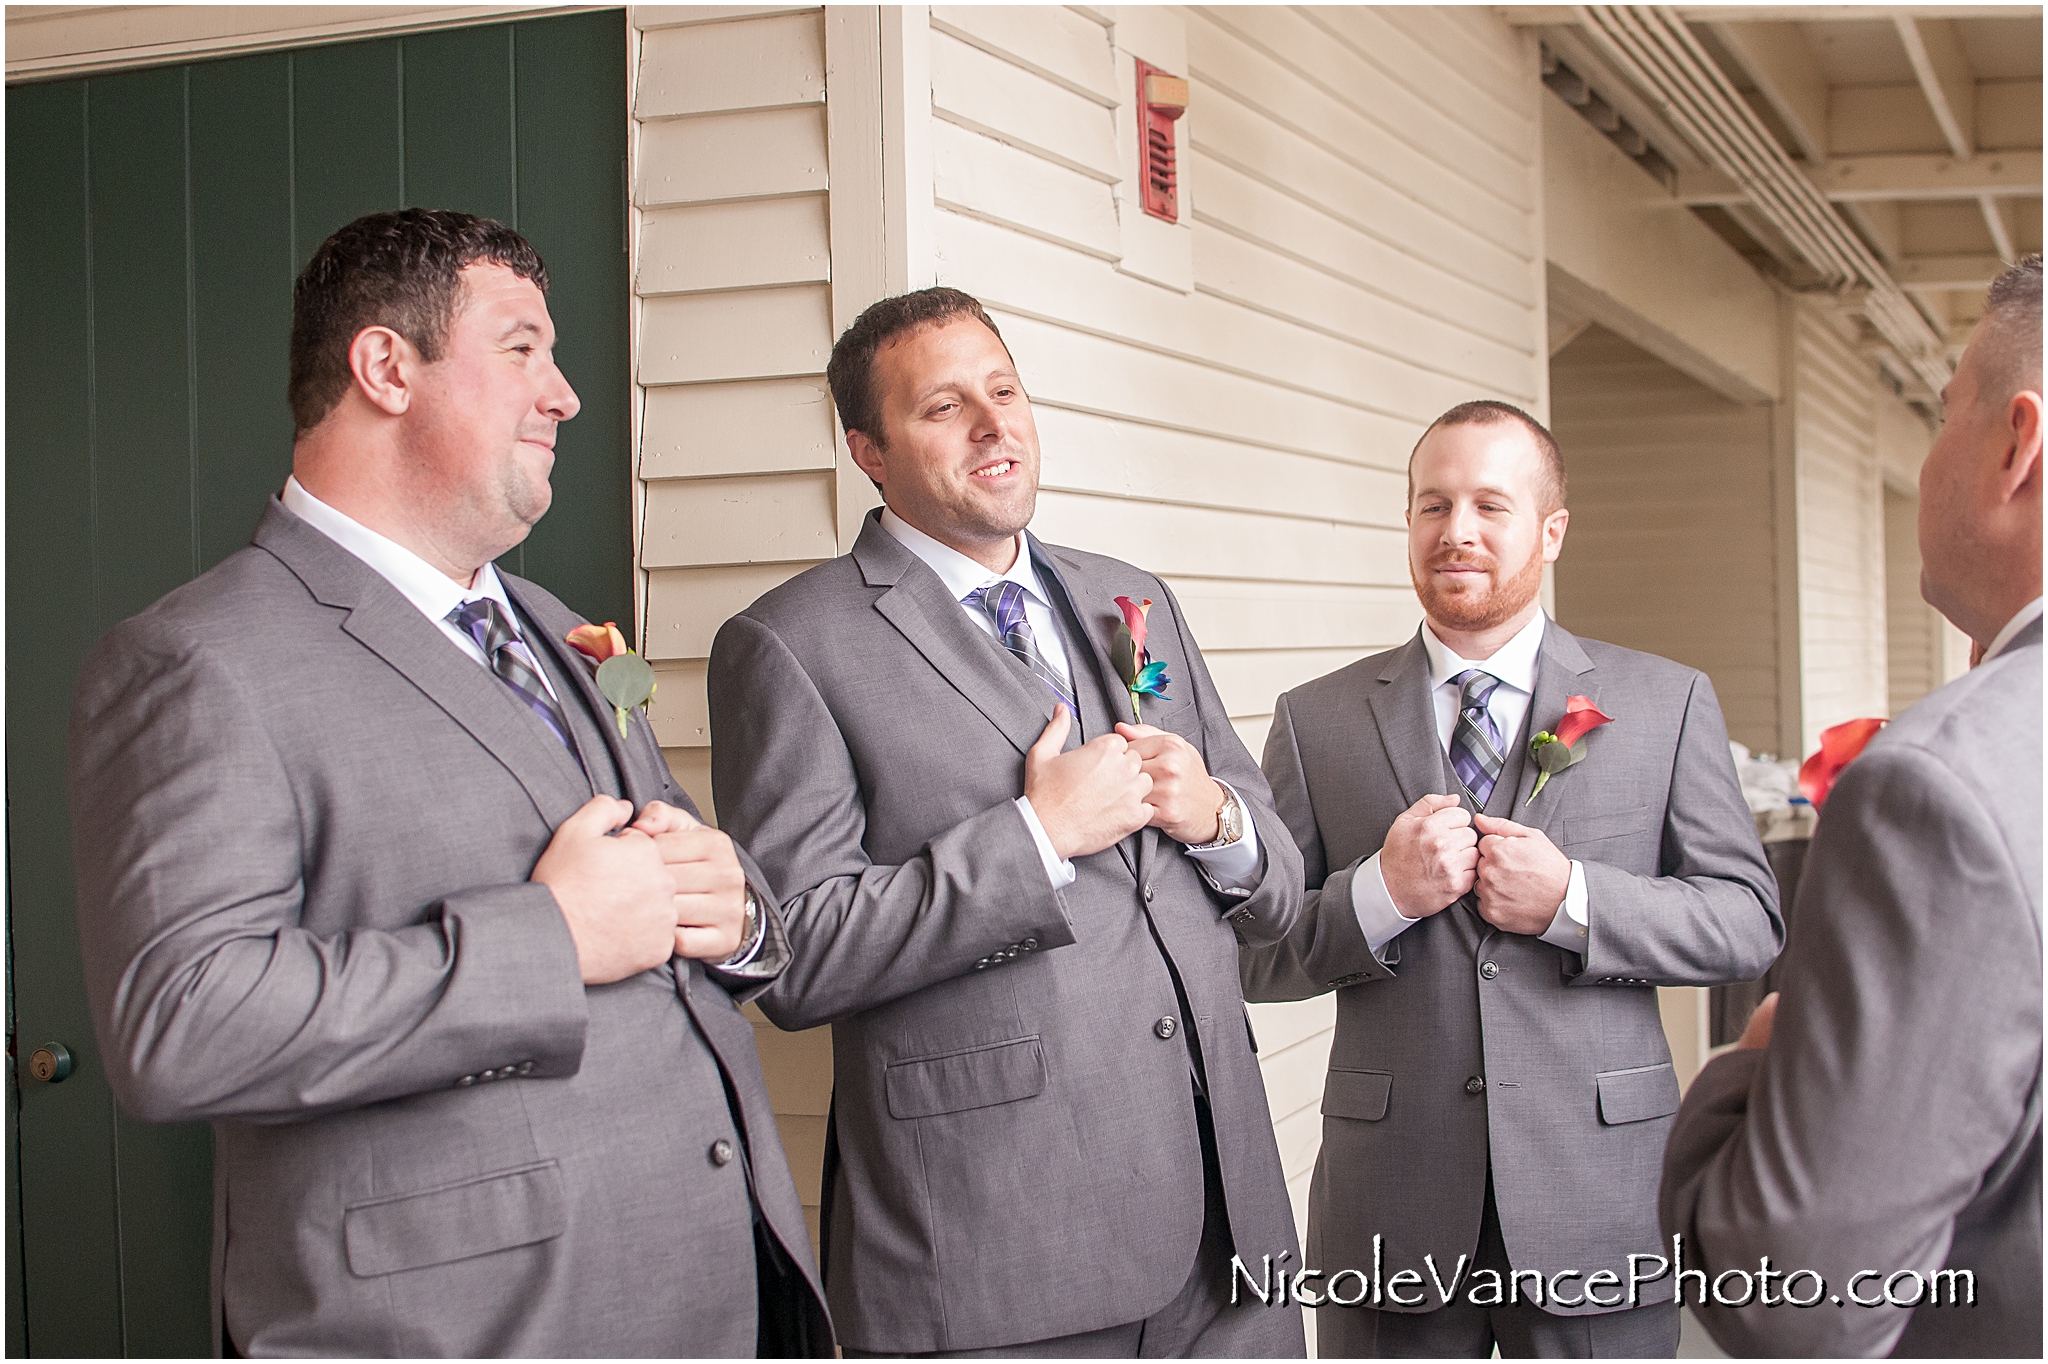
155	222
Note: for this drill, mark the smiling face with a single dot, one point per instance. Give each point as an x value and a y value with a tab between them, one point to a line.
958	454
478	439
1478	530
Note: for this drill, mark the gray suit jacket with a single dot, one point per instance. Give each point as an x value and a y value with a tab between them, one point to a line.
303	822
1894	1123
1472	1047
1015	1153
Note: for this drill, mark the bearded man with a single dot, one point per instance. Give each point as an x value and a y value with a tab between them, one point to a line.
1500	1088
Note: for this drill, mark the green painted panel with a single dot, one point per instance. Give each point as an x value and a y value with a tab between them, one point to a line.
458	121
348	156
572	196
242	294
64	1140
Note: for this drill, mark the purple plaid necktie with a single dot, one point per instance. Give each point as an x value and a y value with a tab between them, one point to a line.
483	622
1475	739
1003	603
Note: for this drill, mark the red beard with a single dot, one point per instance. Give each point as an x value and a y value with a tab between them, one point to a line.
1477	606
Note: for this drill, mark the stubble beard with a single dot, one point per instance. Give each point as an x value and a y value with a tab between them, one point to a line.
1470	610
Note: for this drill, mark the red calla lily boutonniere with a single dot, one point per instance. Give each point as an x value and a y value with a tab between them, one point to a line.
625	678
1553	753
1839	745
1141	675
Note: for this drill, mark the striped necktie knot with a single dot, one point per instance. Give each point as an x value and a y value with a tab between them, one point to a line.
1003	603
1475	740
483	622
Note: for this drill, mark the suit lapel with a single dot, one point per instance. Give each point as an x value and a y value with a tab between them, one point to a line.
389	626
1402	711
1562	670
549	636
926	615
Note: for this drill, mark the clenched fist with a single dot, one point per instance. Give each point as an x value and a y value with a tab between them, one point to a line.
1187	804
1090	799
613	890
711	886
1522	876
1430	856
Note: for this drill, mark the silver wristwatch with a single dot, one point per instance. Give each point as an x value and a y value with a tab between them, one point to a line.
1229	822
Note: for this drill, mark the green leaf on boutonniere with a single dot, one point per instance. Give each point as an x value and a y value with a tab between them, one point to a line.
627	680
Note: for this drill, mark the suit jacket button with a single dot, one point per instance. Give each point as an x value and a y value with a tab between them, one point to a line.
721	1152
1475	1085
1166	1027
1030	944
1489	969
465	1082
526	1067
1148	895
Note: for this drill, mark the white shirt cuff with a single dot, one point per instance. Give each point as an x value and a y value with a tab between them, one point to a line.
1058	870
1234	869
1568	928
1378	919
751	948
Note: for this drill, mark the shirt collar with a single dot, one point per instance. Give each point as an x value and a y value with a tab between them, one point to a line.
960	574
2029	613
1514	663
419	582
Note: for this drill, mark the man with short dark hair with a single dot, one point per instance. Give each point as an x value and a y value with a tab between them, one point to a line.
1493	921
374	878
1880	1125
1015	885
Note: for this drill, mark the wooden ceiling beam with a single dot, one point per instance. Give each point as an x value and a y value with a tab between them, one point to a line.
1848	179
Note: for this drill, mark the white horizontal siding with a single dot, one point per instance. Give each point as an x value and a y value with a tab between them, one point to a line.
1366	253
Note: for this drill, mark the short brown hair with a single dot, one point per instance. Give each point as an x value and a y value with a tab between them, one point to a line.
1487	412
399	270
851	371
2009	336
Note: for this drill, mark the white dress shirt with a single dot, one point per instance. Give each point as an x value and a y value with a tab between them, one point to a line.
2028	614
419	582
1514	663
1233	870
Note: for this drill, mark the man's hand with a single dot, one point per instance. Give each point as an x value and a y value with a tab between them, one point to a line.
1090	799
1757	1035
711	886
1522	876
617	896
1187	804
1429	856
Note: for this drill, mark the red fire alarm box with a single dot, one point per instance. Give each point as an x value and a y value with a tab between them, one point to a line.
1161	100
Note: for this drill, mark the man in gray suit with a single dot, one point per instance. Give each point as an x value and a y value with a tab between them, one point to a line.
1019	908
1499	1085
1886	1135
371	877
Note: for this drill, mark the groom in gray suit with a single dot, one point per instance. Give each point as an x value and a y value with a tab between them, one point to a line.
1499	1086
1018	903
1886	1132
371	877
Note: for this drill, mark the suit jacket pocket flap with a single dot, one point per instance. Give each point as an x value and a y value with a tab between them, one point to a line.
1593	828
1633	1095
492	1212
957	1081
1357	1094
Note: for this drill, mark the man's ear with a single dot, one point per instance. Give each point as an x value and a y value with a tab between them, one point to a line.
382	362
2021	466
1553	534
867	456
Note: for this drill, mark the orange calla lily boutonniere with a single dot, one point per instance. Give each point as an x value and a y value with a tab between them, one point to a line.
1553	753
1141	675
625	678
1839	745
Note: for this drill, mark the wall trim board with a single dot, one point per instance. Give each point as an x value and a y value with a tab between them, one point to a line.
1568	295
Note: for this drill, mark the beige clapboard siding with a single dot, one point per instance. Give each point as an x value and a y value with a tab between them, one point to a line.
735	334
754	242
1473	94
1841	528
1671	544
1229	614
988	179
1200	541
749	519
1005	101
685	606
753	63
746	155
753	427
1053	43
1307	231
1912	642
